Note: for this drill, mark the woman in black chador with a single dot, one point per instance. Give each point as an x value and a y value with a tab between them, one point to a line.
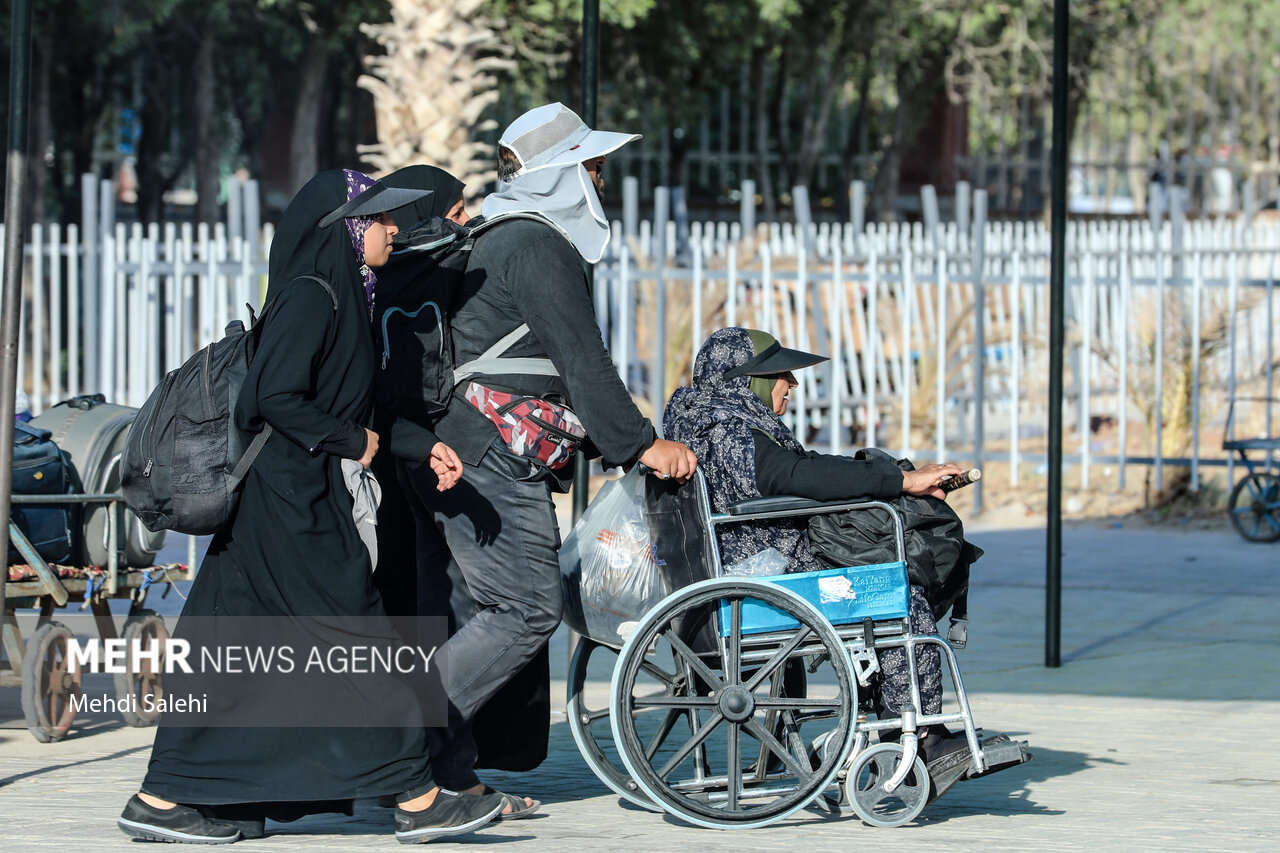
293	553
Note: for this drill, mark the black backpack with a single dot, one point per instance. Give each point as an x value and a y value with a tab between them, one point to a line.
938	555
185	458
40	468
416	372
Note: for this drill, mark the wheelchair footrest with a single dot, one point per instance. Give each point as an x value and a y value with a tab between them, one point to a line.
1001	753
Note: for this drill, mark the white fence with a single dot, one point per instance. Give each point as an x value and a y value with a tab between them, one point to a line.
938	332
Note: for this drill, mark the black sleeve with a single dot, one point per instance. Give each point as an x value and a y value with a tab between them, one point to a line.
820	476
348	441
554	300
403	438
290	351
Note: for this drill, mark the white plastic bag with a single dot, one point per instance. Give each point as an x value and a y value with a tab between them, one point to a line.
608	571
770	561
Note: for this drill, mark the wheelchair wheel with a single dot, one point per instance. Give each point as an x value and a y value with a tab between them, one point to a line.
872	771
590	725
739	712
1254	506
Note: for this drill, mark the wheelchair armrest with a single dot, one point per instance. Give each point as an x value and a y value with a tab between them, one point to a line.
780	503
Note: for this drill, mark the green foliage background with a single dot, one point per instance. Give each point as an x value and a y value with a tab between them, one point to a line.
122	78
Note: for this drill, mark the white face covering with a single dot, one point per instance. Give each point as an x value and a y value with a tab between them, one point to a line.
565	197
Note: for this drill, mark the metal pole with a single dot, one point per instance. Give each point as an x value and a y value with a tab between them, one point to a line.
15	238
590	86
977	262
1057	334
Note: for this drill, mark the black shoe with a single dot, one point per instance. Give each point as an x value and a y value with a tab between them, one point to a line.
181	824
450	814
938	743
249	818
947	758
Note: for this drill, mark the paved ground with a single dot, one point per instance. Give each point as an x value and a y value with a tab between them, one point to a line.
1158	733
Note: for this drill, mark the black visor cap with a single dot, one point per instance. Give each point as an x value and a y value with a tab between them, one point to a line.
379	198
775	359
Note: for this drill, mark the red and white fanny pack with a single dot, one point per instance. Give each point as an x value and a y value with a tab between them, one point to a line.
537	429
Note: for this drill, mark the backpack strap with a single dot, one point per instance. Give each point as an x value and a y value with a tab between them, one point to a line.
490	363
260	440
328	288
250	454
958	633
490	222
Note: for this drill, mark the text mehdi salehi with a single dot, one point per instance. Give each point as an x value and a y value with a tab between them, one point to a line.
148	704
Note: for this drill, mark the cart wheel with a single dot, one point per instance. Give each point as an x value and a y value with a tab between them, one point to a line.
732	748
865	787
47	685
141	686
1255	507
590	726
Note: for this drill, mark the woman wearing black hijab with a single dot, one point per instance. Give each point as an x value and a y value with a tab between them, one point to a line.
418	577
445	201
292	552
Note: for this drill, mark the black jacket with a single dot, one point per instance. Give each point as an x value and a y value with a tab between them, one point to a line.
821	476
525	271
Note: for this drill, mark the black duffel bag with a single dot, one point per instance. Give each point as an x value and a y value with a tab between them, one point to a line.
938	556
40	468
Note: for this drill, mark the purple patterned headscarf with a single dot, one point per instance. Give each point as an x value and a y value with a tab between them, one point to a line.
358	182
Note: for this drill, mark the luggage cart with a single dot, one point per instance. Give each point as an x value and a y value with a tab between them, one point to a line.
48	684
735	701
1254	504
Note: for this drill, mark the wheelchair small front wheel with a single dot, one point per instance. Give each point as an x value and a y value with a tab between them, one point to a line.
866	787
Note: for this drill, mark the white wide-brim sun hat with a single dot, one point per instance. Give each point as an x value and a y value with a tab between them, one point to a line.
554	135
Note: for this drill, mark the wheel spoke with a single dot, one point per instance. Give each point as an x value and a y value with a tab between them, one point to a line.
674	702
787	703
734	653
694	742
734	767
658	673
660	737
694	662
779	658
766	737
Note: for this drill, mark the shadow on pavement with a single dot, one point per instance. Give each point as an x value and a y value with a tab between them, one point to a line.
9	780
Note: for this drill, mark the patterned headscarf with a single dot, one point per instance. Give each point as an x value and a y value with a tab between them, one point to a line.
716	418
358	182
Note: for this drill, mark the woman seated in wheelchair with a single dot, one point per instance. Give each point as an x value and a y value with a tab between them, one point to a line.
731	418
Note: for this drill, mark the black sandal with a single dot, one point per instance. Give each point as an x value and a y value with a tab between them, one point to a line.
518	807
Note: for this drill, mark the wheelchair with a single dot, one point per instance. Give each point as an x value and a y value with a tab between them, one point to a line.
736	701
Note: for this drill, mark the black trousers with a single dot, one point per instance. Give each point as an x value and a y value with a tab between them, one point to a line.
498	526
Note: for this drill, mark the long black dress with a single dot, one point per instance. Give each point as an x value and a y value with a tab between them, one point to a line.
292	549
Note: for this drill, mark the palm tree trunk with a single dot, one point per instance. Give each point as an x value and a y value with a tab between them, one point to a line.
207	147
304	147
